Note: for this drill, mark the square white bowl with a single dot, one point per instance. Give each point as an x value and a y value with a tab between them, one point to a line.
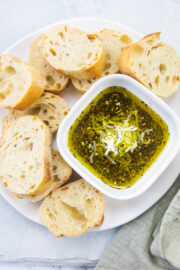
161	163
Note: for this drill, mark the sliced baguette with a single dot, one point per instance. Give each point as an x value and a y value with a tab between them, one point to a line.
61	173
72	209
20	84
53	81
113	42
73	52
50	108
25	154
155	64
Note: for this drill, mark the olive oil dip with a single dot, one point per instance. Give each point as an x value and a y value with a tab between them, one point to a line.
117	137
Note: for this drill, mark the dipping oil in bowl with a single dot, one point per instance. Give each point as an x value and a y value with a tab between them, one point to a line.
117	137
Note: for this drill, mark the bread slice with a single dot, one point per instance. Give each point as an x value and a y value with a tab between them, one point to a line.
61	173
72	209
153	63
20	84
50	108
82	86
53	81
113	42
73	52
25	154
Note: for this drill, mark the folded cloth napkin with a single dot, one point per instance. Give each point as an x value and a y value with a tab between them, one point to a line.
151	242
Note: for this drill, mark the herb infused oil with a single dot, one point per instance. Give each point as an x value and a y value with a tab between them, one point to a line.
117	137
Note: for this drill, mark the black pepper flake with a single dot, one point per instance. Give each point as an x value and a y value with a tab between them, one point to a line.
117	104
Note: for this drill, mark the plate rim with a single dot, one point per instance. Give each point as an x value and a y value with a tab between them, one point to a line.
68	21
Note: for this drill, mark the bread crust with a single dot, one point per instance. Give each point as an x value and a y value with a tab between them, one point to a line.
88	71
113	41
53	229
54	184
54	106
101	199
4	125
33	92
126	58
46	162
78	88
37	61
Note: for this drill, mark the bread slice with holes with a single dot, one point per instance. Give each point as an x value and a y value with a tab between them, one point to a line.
113	41
53	81
25	154
72	209
61	172
73	52
153	63
20	84
50	108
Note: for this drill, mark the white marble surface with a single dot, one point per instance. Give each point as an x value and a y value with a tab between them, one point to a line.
21	17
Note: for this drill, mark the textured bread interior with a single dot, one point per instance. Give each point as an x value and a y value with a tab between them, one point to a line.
61	173
63	219
72	209
89	203
159	68
69	49
113	42
53	80
25	154
153	63
50	108
15	79
20	84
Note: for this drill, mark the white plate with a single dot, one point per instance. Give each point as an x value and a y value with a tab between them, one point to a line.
116	212
156	169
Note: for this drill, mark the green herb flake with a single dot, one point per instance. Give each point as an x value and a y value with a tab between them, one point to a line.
118	137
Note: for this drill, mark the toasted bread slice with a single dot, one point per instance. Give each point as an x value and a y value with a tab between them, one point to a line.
113	42
155	64
74	52
20	84
72	209
53	81
50	108
25	154
61	173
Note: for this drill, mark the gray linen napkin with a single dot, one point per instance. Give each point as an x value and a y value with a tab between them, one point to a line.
151	242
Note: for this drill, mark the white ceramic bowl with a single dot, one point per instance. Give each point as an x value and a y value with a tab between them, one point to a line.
161	163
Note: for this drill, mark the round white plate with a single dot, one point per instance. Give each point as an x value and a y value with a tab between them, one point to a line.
116	212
